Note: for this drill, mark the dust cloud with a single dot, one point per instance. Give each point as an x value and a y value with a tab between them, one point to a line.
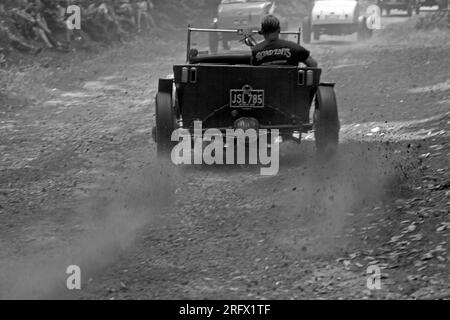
328	193
110	226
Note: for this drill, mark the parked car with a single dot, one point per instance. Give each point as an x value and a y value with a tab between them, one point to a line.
337	17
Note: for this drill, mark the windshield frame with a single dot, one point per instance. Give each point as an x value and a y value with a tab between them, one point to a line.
235	31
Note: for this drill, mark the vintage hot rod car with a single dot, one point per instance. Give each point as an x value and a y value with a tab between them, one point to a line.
240	14
337	17
206	86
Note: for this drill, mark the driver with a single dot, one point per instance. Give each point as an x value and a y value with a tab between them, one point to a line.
275	51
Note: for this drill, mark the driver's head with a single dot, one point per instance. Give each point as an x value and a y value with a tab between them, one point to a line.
270	26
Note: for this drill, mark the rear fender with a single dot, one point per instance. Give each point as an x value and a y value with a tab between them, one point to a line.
165	85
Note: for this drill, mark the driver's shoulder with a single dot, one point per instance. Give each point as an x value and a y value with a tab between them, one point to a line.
287	43
260	46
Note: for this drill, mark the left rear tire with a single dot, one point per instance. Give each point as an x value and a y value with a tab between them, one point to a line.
165	124
364	32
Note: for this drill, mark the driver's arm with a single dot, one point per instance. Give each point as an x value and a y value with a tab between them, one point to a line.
311	63
304	56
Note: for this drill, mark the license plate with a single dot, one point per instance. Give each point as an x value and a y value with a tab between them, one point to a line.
247	98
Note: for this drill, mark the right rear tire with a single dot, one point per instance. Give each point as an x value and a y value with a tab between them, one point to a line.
326	121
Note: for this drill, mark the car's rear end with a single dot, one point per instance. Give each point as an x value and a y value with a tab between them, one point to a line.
334	17
226	96
225	92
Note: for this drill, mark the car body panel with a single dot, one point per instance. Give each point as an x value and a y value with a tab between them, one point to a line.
334	12
226	93
338	17
286	101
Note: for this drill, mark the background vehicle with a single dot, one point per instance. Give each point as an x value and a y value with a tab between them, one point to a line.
337	17
406	5
240	14
441	4
281	97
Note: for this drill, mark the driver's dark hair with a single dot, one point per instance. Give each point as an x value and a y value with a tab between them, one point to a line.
270	24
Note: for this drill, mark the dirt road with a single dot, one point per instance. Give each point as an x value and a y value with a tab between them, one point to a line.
80	185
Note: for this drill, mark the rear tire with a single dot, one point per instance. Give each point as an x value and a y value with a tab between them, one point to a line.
364	32
361	33
326	121
165	124
306	30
